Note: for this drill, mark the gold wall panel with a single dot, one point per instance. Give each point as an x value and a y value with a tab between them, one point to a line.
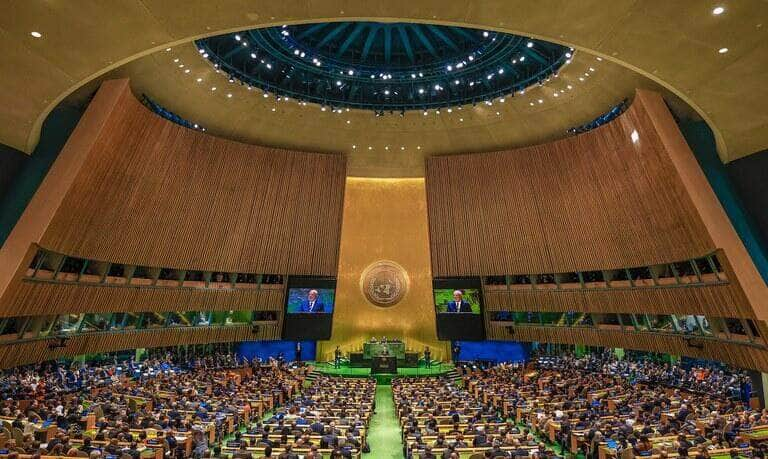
384	219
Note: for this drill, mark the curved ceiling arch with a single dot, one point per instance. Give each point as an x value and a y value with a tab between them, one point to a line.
595	26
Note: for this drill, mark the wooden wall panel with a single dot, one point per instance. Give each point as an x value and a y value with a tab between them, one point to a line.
589	202
721	300
157	194
743	356
43	298
37	351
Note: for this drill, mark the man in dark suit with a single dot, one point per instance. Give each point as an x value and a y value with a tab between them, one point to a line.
312	303
458	304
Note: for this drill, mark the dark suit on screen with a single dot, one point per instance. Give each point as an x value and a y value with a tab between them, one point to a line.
317	307
463	307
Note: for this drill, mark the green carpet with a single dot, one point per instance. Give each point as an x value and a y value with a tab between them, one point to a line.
384	429
346	370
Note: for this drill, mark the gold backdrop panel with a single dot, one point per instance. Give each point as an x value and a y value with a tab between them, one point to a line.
384	219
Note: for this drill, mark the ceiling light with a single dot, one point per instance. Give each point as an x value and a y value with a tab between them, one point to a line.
471	58
348	122
722	50
213	88
338	83
634	136
568	55
540	101
450	110
570	87
591	69
370	147
529	44
176	60
386	92
253	55
402	148
413	75
296	52
449	68
718	10
556	94
36	34
418	147
502	100
237	37
421	90
456	82
166	49
274	109
485	33
497	113
322	109
531	103
266	95
199	80
425	113
229	95
186	71
461	119
269	66
354	146
522	58
599	58
350	72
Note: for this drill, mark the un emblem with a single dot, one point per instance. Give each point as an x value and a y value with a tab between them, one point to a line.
384	283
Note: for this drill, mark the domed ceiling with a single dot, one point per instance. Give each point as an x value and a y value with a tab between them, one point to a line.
384	66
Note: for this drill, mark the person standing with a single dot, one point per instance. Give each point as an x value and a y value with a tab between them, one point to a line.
456	351
337	358
427	357
298	351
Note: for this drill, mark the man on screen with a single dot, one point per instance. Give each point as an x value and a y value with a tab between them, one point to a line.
458	304
312	303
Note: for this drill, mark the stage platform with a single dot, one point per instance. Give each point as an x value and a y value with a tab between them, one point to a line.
437	369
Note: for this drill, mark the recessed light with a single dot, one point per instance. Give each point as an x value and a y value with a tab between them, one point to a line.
36	34
186	71
176	60
718	10
229	95
402	148
167	49
541	101
213	88
461	120
722	50
418	147
529	44
199	80
531	103
370	147
634	136
354	147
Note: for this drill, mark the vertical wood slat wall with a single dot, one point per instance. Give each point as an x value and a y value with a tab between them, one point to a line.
157	194
739	355
43	298
38	350
589	202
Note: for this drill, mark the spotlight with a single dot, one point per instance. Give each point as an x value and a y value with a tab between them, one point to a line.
718	10
529	44
38	34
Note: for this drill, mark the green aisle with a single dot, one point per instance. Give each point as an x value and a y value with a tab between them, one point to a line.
384	434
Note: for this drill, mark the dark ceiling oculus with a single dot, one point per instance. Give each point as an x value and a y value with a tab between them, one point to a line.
384	66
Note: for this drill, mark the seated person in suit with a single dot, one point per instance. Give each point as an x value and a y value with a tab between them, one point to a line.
312	303
458	304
